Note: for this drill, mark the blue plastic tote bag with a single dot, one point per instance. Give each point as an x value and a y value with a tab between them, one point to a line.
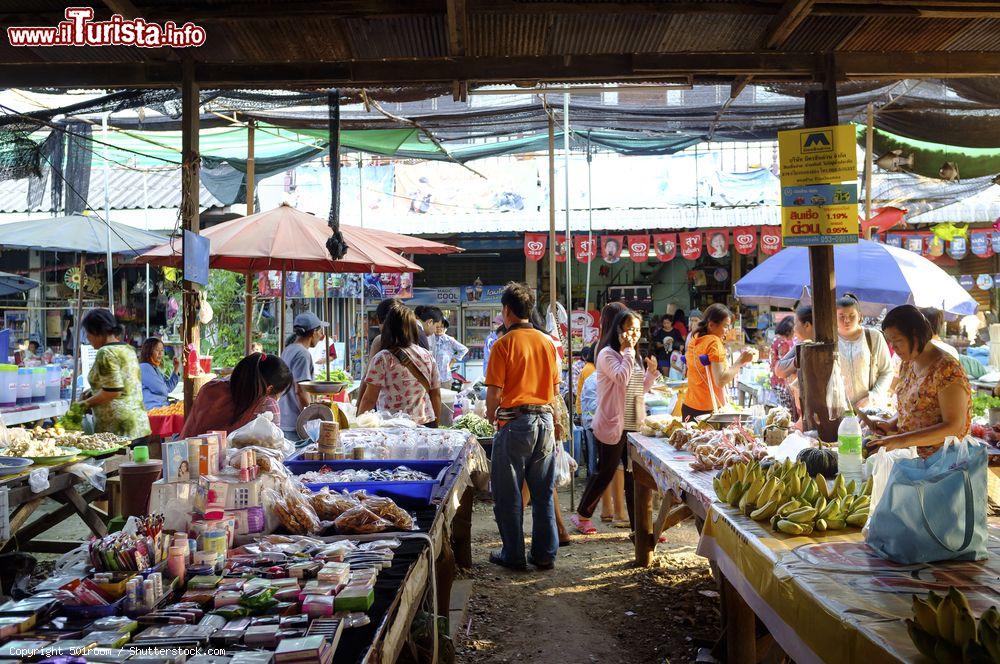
934	509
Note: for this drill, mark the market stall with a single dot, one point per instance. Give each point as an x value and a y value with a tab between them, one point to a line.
821	597
309	558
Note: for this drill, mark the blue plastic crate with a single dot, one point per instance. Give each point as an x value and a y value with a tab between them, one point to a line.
418	492
430	466
93	612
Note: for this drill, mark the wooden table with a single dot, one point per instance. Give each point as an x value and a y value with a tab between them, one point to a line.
22	502
827	598
451	534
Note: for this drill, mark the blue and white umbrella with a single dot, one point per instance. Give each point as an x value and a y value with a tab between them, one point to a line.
881	276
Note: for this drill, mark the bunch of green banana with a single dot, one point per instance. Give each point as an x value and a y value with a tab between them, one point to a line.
944	629
792	501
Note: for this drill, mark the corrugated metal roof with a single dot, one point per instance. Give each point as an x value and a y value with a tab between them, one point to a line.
897	33
982	36
163	190
413	37
724	32
821	33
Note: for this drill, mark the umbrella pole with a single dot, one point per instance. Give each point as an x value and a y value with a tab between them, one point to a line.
869	140
281	315
247	312
76	332
329	321
552	214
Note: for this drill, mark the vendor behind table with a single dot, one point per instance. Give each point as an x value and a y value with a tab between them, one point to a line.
156	385
308	331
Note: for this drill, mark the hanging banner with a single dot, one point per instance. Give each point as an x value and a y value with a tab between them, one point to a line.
981	244
585	247
995	242
718	243
562	249
770	240
894	240
915	243
611	248
690	245
934	247
638	248
745	240
665	245
984	281
966	281
958	247
534	245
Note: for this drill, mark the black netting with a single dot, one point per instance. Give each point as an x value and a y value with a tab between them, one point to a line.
336	245
77	176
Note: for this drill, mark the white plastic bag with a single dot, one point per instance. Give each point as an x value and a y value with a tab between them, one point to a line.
790	447
91	472
879	466
263	432
38	480
565	466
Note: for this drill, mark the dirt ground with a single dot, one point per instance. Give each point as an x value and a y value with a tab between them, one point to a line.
596	606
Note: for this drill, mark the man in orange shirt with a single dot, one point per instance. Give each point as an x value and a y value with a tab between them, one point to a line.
522	379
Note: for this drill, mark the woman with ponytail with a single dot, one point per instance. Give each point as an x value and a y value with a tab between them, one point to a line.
226	404
708	372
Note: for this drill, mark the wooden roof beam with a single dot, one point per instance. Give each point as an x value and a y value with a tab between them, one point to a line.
458	36
765	66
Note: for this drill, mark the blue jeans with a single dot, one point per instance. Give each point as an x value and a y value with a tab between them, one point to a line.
591	443
524	451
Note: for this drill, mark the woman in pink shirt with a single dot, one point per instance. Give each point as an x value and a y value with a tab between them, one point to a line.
621	384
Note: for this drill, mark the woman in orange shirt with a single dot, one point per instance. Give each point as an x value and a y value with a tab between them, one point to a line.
706	354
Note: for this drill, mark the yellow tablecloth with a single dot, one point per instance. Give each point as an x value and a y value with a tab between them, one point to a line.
830	599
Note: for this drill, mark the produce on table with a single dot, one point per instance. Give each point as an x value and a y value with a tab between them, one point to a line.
176	408
987	433
778	417
477	426
660	426
72	420
981	403
794	502
821	460
34	448
944	630
716	449
335	376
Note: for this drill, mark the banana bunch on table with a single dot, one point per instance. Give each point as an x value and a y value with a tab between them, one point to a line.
794	503
945	630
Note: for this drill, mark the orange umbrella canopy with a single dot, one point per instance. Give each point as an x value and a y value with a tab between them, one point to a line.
288	239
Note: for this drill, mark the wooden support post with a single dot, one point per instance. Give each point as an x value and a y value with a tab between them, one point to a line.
740	626
644	485
247	312
461	530
869	157
817	360
190	185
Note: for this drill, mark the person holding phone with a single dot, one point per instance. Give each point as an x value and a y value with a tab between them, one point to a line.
621	384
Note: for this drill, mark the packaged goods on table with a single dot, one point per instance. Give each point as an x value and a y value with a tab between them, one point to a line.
396	443
397	474
716	449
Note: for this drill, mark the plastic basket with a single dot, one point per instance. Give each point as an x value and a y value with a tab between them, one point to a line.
94	612
430	466
420	492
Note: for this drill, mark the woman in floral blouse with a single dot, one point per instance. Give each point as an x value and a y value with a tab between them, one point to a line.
933	393
115	380
402	377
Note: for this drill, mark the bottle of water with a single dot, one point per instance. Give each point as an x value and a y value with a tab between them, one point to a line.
849	446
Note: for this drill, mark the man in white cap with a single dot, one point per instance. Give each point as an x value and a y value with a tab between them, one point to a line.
308	330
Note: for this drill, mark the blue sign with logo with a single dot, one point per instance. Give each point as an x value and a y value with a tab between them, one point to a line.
820	195
479	294
966	281
894	240
196	249
958	247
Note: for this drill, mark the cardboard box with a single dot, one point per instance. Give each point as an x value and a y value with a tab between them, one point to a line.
175	501
208	454
232	495
249	521
176	464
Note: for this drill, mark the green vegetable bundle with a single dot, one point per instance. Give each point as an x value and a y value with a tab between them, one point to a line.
477	426
335	376
72	420
983	402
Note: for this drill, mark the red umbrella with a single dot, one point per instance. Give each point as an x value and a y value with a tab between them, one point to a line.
287	239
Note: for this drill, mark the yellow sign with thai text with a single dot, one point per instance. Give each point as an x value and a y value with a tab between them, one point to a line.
806	225
819	155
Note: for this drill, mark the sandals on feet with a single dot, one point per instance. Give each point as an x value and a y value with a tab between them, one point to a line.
584	526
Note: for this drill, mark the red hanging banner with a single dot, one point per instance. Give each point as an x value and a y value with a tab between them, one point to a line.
745	240
611	248
534	245
665	245
718	243
981	243
585	247
638	248
770	239
562	249
690	245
